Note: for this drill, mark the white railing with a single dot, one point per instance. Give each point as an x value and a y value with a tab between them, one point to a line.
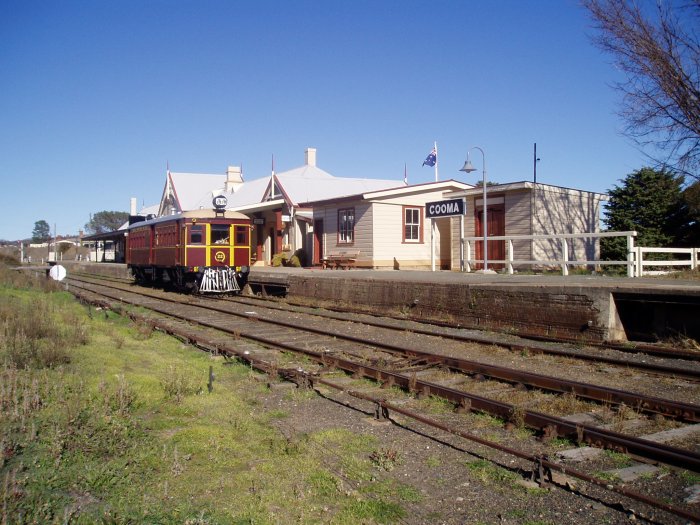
693	255
563	259
635	254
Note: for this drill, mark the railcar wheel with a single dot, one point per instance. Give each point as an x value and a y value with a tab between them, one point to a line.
192	286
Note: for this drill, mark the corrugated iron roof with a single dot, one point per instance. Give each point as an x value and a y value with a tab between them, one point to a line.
299	185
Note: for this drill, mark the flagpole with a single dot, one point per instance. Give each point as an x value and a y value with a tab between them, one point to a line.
405	174
436	161
272	179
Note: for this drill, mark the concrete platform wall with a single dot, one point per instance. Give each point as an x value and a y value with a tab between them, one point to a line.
108	269
554	312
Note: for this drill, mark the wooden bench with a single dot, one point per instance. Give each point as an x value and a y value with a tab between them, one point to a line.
340	260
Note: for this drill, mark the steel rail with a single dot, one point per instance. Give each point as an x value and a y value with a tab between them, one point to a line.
521	347
635	347
631	348
684	411
269	368
675	409
537	460
551	425
648	404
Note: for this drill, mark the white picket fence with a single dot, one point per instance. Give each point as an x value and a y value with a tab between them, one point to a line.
635	262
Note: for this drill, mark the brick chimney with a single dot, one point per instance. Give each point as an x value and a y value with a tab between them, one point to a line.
310	155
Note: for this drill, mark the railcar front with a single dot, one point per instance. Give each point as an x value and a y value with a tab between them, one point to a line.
197	251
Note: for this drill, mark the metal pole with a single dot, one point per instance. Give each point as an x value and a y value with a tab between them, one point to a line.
432	244
534	164
436	161
461	240
485	226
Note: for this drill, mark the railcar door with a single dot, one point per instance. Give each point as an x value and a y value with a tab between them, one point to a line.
241	245
195	247
220	245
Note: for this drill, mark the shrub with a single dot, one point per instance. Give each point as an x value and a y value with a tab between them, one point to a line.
177	384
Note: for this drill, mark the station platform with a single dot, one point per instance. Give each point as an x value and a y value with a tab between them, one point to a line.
578	307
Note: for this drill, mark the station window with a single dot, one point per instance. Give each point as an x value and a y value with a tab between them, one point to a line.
219	234
196	234
346	225
412	227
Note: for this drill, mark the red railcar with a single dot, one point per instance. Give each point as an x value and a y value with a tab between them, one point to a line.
199	251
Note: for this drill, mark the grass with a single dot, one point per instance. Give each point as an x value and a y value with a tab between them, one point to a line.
689	477
436	405
106	421
618	459
491	473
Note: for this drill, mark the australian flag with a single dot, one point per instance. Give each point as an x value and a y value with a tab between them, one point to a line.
431	159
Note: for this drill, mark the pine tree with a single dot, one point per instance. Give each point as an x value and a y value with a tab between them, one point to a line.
650	202
41	232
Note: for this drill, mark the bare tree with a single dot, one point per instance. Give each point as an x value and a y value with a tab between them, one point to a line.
657	46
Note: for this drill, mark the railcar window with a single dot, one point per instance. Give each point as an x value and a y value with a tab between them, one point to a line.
242	235
196	234
219	234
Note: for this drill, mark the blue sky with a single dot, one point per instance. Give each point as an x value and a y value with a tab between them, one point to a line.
96	97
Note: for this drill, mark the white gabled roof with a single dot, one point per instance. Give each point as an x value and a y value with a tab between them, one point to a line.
194	190
512	186
149	210
444	185
307	183
399	190
250	192
304	184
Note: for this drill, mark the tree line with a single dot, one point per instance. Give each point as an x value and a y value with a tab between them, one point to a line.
655	204
100	222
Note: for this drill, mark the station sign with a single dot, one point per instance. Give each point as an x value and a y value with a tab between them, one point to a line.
259	220
446	208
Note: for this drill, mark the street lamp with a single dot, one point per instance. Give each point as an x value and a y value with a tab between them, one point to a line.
468	168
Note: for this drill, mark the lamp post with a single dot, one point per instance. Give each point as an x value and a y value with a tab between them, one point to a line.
468	168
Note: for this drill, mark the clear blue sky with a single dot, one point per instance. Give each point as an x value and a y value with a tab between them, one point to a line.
97	96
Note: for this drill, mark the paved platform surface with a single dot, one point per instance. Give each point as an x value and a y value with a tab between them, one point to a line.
646	284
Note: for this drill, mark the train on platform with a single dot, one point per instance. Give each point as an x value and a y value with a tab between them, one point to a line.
199	251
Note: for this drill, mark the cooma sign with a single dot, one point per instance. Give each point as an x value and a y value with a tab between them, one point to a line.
447	208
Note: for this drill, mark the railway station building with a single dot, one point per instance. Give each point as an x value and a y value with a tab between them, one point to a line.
382	223
391	229
277	205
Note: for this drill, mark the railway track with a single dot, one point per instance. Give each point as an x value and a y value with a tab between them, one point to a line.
618	354
593	351
402	367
